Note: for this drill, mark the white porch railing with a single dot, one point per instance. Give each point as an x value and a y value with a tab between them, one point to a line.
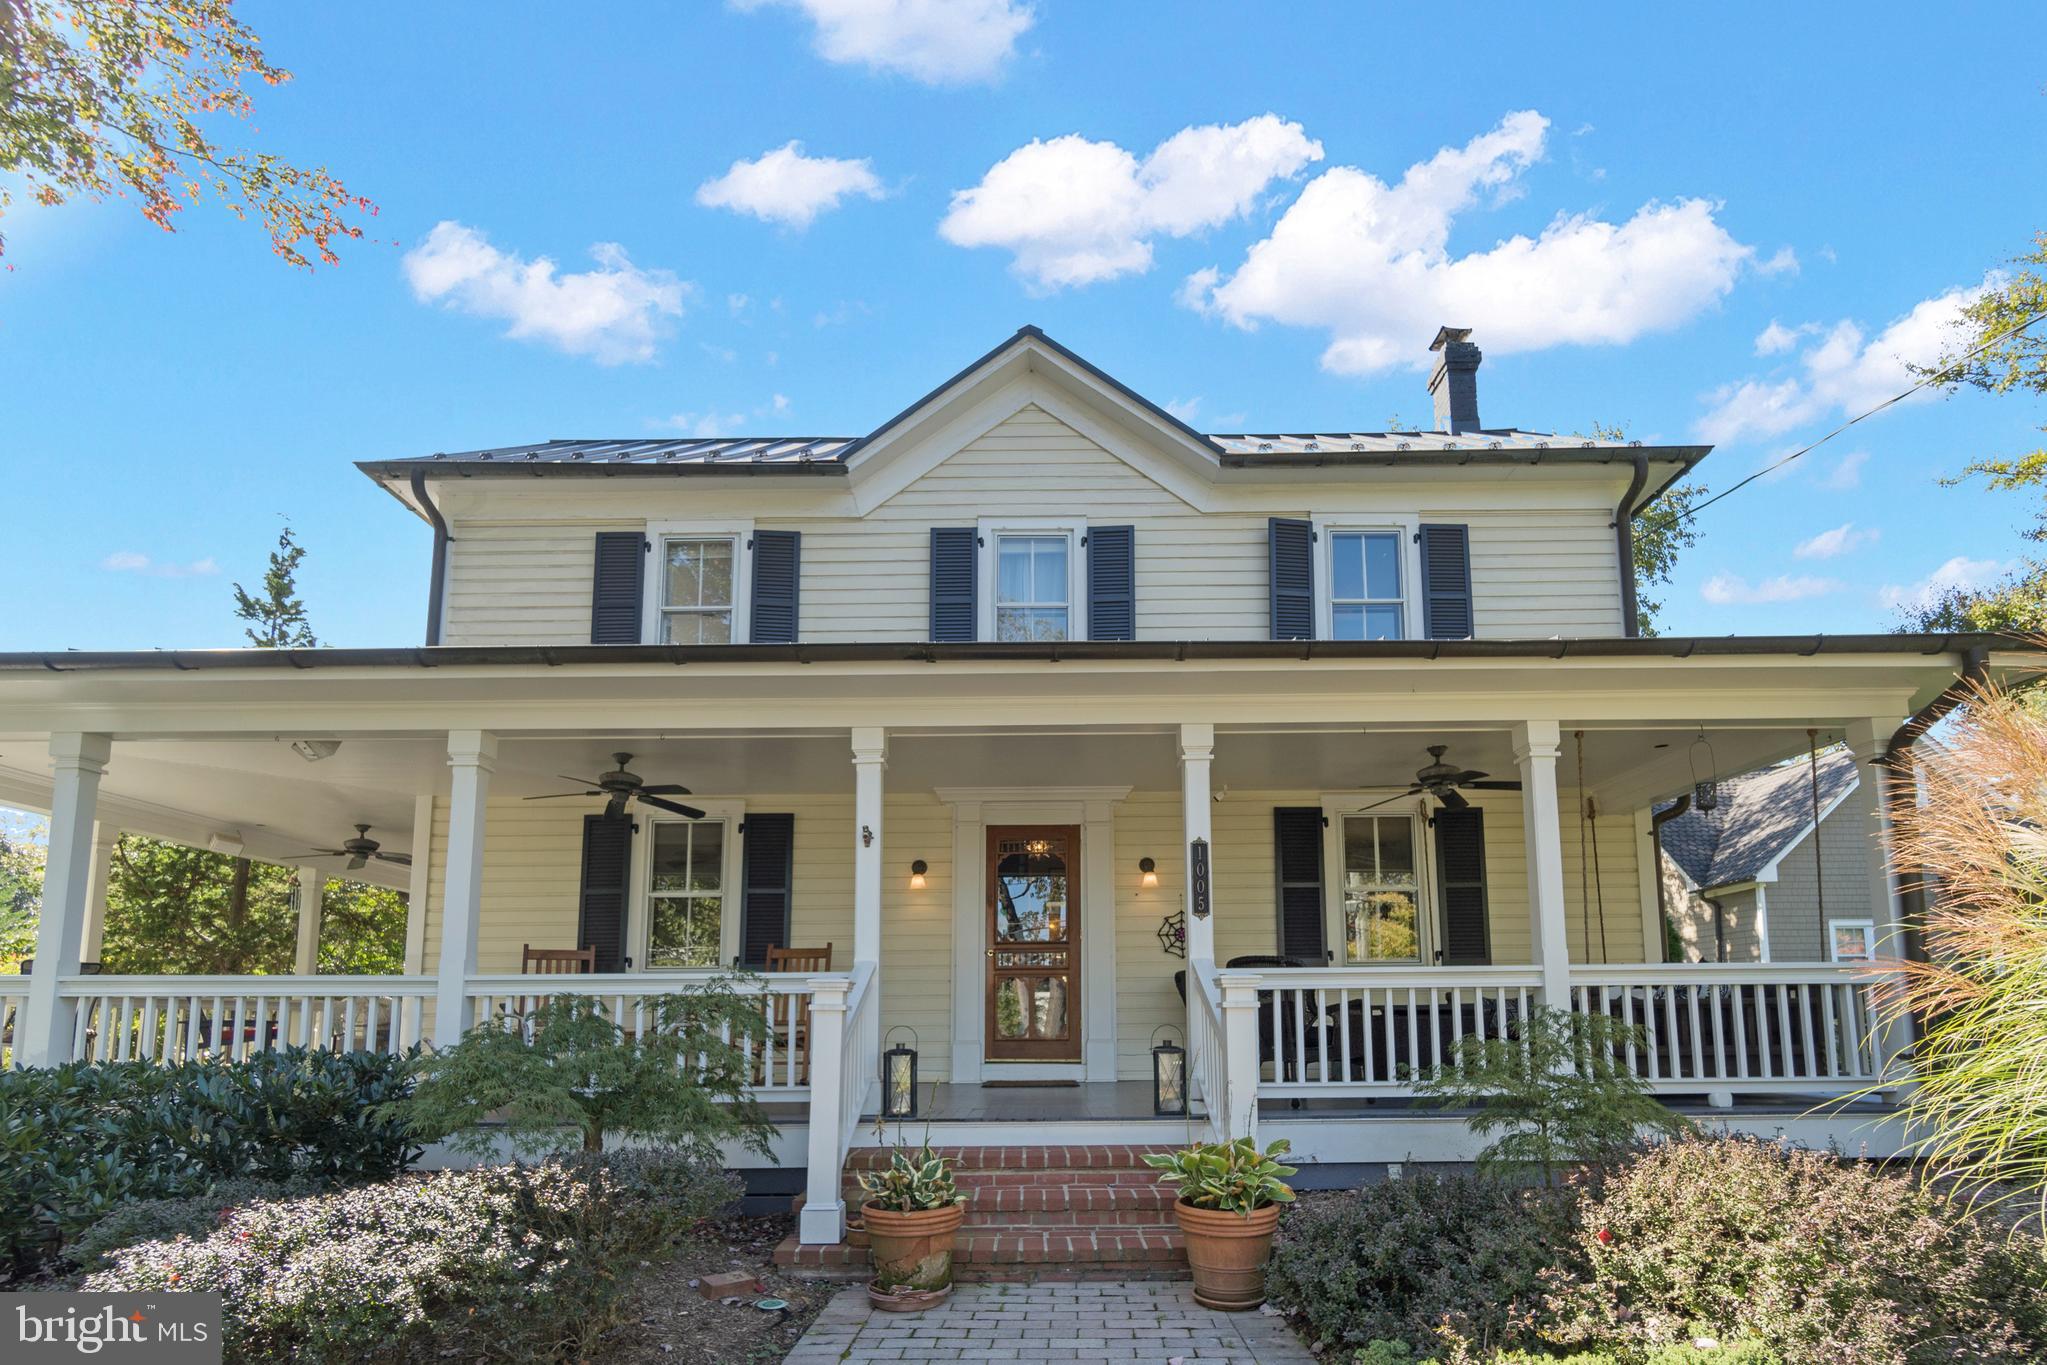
1375	1031
169	1019
1724	1026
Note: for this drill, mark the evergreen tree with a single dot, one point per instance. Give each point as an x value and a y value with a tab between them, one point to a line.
277	618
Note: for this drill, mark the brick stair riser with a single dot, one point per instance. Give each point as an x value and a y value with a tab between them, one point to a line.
1076	1251
1009	1160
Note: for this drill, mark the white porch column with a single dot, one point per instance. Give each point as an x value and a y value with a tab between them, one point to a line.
78	762
1868	741
1536	744
415	913
1197	755
472	755
823	1220
104	839
870	756
312	889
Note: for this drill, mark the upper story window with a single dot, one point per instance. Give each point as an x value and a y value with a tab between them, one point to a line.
699	595
1365	597
1033	576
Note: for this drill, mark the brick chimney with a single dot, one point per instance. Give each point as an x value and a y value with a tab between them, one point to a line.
1454	381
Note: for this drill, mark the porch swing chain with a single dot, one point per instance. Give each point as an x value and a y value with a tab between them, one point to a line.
1588	865
1819	869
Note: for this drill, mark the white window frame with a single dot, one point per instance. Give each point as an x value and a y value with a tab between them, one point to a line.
1408	528
654	597
640	916
1338	806
989	529
1868	928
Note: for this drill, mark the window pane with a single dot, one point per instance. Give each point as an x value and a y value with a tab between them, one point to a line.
707	856
1380	927
670	858
1347	623
717	573
1396	852
1030	623
1382	566
1049	565
1851	942
1380	623
1347	568
685	931
1012	569
698	628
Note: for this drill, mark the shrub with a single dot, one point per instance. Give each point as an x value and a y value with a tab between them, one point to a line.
564	1075
80	1140
680	1185
1826	1261
1744	1352
161	1220
504	1263
1426	1261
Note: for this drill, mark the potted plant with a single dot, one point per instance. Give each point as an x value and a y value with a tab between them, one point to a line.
1230	1193
911	1213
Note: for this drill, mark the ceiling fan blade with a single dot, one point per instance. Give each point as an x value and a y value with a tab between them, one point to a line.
1497	785
565	796
579	781
664	789
1467	777
402	859
327	852
1452	799
1397	796
691	811
356	860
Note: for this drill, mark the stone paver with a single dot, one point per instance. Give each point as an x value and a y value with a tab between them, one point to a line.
1146	1321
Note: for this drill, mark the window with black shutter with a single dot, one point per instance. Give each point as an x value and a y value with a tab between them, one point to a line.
618	584
1292	556
1460	879
607	862
1297	857
1111	583
776	577
1446	582
769	855
955	565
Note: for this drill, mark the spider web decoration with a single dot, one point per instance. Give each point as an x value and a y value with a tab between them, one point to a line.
1173	934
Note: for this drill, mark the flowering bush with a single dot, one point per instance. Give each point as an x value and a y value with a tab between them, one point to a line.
160	1220
507	1262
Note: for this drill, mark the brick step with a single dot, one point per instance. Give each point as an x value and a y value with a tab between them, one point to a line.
993	1252
1069	1204
1013	1160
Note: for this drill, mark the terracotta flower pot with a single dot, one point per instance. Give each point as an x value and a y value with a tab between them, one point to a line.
911	1249
1228	1252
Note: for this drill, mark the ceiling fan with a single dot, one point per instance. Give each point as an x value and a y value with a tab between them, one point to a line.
361	849
1442	780
622	786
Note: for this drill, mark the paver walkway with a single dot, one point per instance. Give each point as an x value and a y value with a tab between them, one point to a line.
1150	1321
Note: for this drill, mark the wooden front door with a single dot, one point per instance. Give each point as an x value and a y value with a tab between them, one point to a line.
1033	943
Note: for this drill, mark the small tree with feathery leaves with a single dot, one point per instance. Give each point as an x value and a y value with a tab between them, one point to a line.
277	618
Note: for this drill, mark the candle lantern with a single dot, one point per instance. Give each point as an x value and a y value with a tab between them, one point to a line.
1168	1076
899	1078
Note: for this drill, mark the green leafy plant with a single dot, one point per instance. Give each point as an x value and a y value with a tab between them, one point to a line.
1558	1093
912	1182
1232	1176
565	1075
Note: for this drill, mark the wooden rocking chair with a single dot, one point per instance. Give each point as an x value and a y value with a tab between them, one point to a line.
794	1032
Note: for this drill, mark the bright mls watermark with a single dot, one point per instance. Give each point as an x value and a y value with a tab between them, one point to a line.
165	1329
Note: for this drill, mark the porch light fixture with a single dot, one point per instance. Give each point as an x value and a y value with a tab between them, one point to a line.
917	871
1149	879
899	1078
1705	790
1168	1076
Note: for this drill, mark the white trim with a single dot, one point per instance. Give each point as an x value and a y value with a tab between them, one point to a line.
639	919
1648	877
1868	928
1336	808
989	529
739	532
1406	527
1762	922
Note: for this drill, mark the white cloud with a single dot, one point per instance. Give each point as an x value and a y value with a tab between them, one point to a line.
614	313
1846	473
1777	338
939	42
705	426
1185	408
1784	261
1075	211
1727	589
1839	541
1959	572
1840	374
785	186
132	561
1371	263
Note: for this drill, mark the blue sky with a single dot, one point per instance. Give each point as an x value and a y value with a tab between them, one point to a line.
1732	221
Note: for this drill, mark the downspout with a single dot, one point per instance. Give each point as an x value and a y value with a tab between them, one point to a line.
1900	787
1624	545
1657	820
440	568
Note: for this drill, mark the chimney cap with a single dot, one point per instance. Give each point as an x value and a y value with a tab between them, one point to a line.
1447	335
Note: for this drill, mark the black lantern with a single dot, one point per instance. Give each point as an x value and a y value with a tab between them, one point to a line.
1168	1077
899	1079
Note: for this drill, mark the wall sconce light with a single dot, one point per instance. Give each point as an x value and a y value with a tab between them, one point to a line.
899	1078
1168	1076
1150	869
917	871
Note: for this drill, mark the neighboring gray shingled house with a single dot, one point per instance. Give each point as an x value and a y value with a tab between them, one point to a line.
1746	882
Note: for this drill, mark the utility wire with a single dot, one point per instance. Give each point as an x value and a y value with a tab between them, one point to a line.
1941	376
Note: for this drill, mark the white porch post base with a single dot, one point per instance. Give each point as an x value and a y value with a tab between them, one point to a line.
472	755
1720	1099
1536	745
823	1220
1239	992
43	1025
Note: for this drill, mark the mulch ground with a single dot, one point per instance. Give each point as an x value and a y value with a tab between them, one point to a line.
671	1322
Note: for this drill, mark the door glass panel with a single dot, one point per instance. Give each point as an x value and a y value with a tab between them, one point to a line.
1031	1007
1030	892
1381	919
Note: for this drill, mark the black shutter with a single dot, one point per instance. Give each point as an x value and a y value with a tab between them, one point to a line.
616	587
1446	582
607	858
1293	578
1460	872
1111	583
955	565
775	577
1297	854
770	862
